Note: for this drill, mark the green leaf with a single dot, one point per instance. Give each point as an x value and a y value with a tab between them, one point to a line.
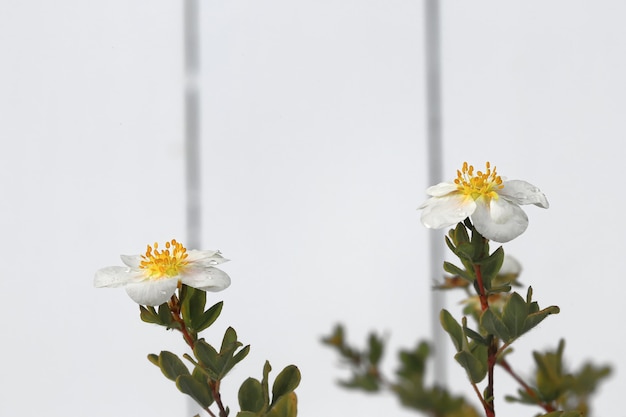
247	414
239	356
460	234
286	406
286	381
455	270
265	383
514	314
201	375
171	365
476	369
221	363
192	306
535	318
494	325
480	246
165	315
563	414
375	349
154	359
366	382
477	337
453	328
227	362
449	243
336	338
208	317
491	265
200	392
208	357
251	396
533	307
498	289
551	379
149	315
229	343
466	251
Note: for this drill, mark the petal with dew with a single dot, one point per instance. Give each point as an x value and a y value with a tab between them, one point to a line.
500	221
206	279
445	211
522	192
212	261
112	277
195	254
152	292
206	258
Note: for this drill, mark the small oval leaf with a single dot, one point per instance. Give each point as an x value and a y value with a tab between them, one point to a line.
171	365
286	381
251	396
200	392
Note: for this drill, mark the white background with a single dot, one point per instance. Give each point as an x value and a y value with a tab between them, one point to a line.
313	165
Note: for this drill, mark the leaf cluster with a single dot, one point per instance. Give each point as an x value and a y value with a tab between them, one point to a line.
408	384
210	367
553	383
518	316
191	307
472	249
503	324
187	314
254	398
471	346
364	363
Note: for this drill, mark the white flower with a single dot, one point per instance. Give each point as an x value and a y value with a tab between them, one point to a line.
152	279
493	204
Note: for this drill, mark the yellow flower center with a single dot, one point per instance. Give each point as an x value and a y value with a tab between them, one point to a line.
166	263
478	184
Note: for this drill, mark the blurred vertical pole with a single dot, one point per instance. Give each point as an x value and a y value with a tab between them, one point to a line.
434	152
192	123
192	134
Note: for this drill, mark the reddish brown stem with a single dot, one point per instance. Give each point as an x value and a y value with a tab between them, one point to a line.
484	302
215	390
480	397
488	402
491	364
531	393
174	306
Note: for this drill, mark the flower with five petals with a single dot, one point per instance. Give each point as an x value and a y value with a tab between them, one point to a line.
151	279
491	202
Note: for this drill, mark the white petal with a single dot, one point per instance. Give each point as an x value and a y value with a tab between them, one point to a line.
501	221
152	292
206	279
113	276
194	254
522	192
131	260
441	189
440	212
206	257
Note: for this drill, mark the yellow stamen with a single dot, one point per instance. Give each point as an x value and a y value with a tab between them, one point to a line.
479	184
164	263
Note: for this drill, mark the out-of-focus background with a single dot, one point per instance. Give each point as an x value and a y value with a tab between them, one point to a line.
313	164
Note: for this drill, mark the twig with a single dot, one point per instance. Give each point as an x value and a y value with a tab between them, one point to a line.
531	393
